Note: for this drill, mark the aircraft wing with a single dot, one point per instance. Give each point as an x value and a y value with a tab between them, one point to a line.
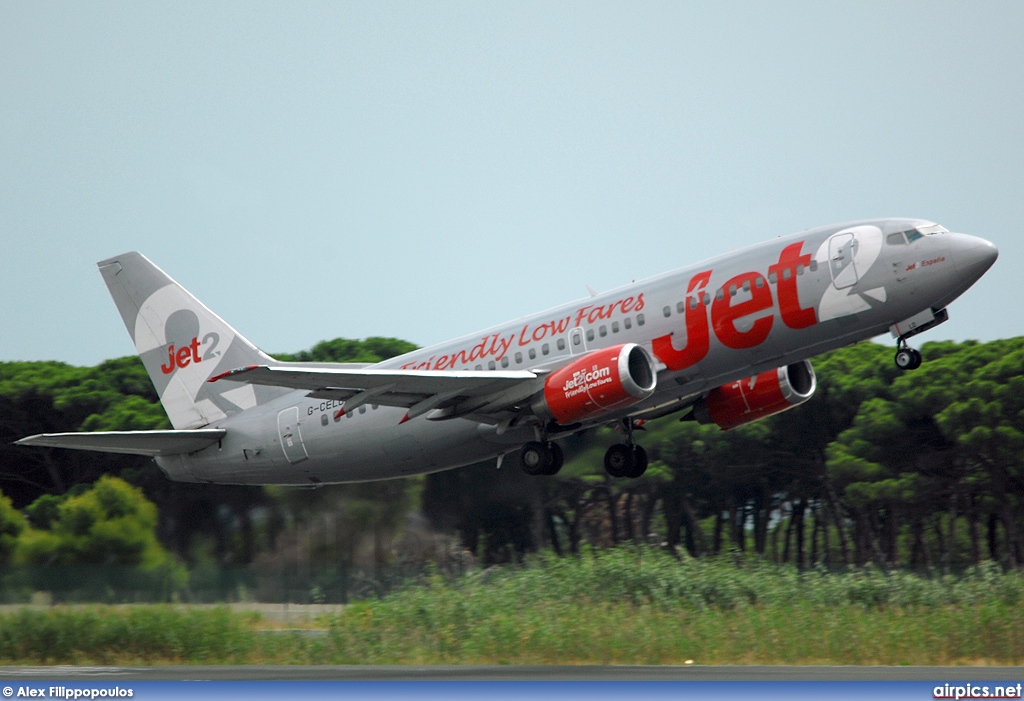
460	392
151	443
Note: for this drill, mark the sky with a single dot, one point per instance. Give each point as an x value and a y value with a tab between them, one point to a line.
424	170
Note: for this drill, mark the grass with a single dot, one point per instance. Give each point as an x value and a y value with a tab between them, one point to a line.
125	635
623	634
609	607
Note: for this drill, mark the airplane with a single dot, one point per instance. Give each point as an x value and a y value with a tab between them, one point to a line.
724	342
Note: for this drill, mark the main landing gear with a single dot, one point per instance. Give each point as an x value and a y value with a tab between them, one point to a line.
907	358
626	459
544	457
541	458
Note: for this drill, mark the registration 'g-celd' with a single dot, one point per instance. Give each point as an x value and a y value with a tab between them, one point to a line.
726	342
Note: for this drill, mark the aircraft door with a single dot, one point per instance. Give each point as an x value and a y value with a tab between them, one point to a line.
842	249
577	343
291	436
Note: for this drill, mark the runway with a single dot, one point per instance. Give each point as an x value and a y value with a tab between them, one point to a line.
510	673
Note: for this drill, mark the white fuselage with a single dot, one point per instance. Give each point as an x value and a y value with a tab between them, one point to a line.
731	317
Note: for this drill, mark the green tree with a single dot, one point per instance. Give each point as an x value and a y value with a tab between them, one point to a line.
12	523
110	524
344	350
51	397
979	406
939	445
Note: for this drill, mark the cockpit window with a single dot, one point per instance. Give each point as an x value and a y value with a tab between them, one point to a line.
914	234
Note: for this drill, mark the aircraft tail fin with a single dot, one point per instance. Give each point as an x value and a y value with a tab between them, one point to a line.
182	343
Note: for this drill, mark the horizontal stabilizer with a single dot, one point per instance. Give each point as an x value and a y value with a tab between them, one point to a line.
151	443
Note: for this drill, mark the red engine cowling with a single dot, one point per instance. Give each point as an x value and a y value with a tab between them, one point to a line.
597	383
756	397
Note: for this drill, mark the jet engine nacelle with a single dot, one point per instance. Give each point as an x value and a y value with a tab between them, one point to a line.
756	397
597	383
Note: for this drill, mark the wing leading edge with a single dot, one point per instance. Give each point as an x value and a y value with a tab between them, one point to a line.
151	443
454	393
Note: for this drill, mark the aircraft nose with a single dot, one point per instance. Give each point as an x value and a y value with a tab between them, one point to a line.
973	255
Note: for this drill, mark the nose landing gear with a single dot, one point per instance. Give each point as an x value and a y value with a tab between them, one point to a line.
907	358
626	459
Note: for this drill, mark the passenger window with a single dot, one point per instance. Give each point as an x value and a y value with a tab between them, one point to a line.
491	365
786	273
615	327
772	278
479	367
602	331
814	265
533	354
519	358
561	344
639	319
323	419
746	285
545	349
759	282
800	269
667	311
627	322
590	334
362	409
504	362
732	290
720	294
680	307
707	299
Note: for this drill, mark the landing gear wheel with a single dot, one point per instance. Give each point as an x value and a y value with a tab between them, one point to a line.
556	461
639	463
620	460
541	458
908	358
535	458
